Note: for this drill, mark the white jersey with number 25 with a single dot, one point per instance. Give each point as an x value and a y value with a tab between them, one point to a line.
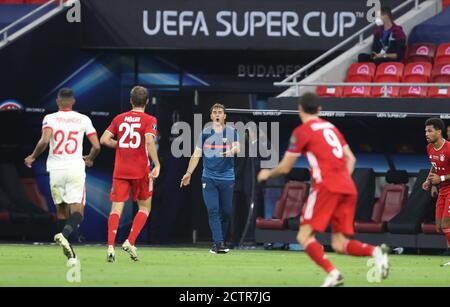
66	143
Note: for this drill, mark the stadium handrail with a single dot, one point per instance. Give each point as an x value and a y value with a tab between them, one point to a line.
339	46
4	31
384	85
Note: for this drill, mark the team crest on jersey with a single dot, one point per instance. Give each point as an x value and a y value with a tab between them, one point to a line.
204	185
442	157
154	127
224	140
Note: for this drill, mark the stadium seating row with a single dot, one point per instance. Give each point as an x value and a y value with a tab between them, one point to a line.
395	72
390	203
427	52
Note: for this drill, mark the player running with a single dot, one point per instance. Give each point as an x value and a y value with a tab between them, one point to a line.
333	196
438	150
133	132
64	131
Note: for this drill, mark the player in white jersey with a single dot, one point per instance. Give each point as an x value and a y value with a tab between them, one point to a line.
64	131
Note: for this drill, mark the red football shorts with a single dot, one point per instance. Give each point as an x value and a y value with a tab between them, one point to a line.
442	207
324	207
142	189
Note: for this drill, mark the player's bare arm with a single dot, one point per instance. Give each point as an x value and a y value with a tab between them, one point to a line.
193	162
235	149
435	179
107	139
350	159
95	150
41	146
283	168
427	184
152	152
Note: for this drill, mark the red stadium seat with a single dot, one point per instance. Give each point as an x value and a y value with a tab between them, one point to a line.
443	54
391	202
420	53
361	72
435	92
389	72
356	91
429	228
378	91
413	92
441	73
34	194
329	91
418	72
289	205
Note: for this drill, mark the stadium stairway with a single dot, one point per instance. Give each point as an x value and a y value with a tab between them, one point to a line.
335	70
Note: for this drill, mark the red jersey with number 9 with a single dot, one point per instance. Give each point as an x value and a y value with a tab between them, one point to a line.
322	144
130	129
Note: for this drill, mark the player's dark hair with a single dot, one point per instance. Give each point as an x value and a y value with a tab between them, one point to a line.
310	103
387	11
217	106
437	124
139	96
65	93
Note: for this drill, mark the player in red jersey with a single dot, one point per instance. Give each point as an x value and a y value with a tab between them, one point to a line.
438	151
333	195
131	134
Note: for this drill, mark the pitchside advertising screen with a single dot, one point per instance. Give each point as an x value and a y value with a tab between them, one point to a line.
224	24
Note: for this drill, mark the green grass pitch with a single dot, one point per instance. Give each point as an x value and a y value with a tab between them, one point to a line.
38	265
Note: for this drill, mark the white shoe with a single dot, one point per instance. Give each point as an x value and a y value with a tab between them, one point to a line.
111	256
333	279
131	250
380	256
67	248
446	264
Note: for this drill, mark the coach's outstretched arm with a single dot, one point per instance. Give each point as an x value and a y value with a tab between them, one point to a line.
153	153
350	159
284	167
40	147
95	150
107	140
193	162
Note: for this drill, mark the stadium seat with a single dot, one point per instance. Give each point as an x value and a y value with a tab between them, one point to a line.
443	54
413	92
361	72
34	194
429	228
390	203
356	91
378	91
389	72
4	216
420	53
435	92
289	205
417	72
388	206
329	91
441	73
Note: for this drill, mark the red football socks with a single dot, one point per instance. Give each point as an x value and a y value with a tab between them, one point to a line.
359	249
138	223
113	225
316	253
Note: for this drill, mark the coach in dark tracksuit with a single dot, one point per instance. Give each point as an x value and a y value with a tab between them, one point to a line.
218	144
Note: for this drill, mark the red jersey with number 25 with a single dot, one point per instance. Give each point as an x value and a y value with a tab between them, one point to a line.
322	144
130	129
440	160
